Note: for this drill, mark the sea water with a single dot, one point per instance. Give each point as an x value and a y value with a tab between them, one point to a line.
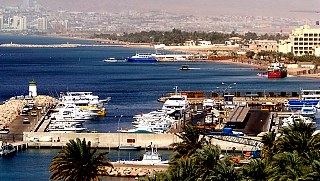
133	87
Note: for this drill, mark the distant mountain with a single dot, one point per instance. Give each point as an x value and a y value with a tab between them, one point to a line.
276	8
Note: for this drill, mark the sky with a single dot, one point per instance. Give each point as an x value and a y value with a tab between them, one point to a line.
274	8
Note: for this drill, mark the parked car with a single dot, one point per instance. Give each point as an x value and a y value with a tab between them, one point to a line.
26	121
33	113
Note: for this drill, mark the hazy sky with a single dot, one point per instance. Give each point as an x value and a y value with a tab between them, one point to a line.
277	8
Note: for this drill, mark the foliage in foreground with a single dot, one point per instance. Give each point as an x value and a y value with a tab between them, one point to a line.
77	161
292	155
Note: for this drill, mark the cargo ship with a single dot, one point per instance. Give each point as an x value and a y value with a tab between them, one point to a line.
142	57
277	70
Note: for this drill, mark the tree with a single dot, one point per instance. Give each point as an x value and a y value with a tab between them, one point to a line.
77	161
298	137
191	141
250	54
256	170
269	145
182	170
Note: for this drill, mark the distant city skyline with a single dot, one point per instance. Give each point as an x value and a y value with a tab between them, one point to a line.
271	8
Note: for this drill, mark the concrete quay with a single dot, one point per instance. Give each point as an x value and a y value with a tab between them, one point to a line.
113	140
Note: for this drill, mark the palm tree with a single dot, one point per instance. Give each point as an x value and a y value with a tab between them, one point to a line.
182	170
298	137
269	144
77	161
256	170
191	141
288	166
206	160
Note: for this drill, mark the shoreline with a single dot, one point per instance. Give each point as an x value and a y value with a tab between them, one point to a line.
292	72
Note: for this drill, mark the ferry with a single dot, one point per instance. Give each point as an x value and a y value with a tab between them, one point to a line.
142	57
308	98
277	70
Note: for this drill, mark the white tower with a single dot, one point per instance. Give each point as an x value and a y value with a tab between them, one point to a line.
33	88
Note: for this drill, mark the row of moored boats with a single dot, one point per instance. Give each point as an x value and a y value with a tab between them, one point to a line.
74	109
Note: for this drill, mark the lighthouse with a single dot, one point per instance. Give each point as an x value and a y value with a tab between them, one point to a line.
33	88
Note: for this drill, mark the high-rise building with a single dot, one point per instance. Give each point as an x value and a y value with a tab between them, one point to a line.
22	23
14	22
302	41
42	24
1	22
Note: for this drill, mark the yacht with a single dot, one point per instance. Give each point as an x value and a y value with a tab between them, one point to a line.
176	102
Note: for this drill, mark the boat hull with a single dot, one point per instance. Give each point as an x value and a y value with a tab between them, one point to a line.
142	60
277	74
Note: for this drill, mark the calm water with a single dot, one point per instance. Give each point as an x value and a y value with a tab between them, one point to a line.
133	87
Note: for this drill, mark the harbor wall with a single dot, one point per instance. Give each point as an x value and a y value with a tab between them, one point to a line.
112	140
101	140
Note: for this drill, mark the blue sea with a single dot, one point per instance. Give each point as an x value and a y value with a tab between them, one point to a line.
133	87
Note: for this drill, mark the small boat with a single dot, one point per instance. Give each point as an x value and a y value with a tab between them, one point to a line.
152	157
113	60
185	67
7	150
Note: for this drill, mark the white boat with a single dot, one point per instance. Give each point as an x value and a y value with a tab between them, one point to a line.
176	103
209	104
152	157
136	130
65	127
7	150
296	117
308	111
113	60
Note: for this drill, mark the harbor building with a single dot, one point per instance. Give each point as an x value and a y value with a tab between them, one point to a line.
302	41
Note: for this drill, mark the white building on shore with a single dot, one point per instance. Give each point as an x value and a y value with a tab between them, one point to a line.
302	41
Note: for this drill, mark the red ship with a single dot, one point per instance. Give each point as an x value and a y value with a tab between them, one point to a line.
277	70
